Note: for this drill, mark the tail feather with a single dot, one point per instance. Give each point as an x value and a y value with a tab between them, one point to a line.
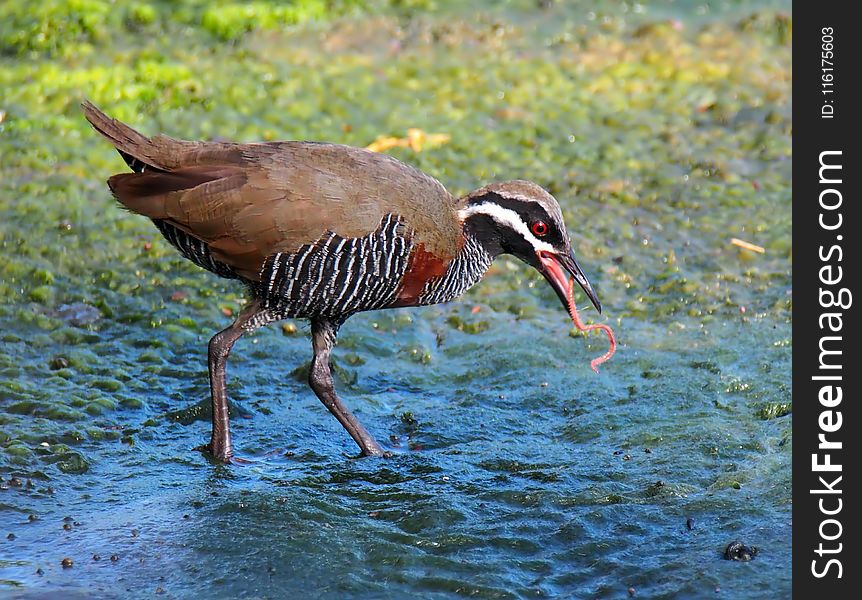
140	152
160	194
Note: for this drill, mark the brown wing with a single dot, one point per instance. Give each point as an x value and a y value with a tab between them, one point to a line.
248	201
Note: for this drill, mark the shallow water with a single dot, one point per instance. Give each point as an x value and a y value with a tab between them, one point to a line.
516	470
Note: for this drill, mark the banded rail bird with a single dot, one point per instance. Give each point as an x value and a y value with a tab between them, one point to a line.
323	231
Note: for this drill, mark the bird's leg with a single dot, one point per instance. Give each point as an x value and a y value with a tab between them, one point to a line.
219	349
323	334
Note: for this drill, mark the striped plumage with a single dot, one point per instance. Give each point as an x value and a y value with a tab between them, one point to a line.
462	273
322	231
336	277
194	249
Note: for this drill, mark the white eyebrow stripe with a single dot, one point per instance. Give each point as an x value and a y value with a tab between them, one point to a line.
517	196
508	217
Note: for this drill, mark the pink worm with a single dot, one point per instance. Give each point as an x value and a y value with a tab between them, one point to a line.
573	311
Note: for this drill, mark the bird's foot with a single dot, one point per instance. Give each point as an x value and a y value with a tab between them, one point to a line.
275	454
221	453
370	447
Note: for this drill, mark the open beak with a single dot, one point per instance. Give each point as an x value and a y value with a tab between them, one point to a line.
555	268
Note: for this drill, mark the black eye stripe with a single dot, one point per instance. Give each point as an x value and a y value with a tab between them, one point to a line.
530	212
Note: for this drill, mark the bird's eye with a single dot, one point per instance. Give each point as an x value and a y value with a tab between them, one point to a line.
539	228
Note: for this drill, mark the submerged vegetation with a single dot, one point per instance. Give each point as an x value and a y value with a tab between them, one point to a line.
664	129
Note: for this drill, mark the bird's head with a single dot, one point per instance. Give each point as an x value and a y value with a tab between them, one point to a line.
520	218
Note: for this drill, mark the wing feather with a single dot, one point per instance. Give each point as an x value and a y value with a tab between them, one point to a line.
248	201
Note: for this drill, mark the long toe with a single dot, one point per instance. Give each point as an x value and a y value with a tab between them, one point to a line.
374	449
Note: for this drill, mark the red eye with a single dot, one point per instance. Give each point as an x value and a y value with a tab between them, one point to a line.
540	228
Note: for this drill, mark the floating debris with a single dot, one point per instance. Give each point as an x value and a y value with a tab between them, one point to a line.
748	245
58	362
739	551
416	140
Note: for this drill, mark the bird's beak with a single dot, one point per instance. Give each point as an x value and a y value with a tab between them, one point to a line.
554	268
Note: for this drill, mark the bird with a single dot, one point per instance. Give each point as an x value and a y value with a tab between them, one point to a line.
323	231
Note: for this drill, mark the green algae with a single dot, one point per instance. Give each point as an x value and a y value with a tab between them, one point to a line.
773	410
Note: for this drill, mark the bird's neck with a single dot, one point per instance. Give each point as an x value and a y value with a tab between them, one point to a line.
466	269
481	231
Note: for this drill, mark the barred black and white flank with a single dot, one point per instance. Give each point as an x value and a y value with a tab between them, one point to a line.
465	271
337	277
